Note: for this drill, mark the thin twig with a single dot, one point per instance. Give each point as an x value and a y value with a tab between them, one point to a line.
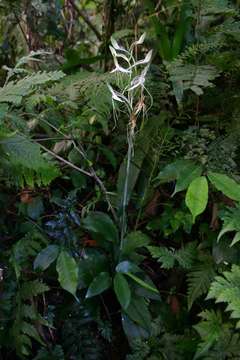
98	181
21	28
65	161
86	19
92	171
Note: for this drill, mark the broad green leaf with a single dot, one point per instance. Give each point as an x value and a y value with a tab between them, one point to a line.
67	272
46	257
143	137
127	266
134	240
197	196
181	31
101	283
170	172
132	329
142	283
109	155
226	185
90	266
183	171
122	290
139	313
35	208
101	226
186	175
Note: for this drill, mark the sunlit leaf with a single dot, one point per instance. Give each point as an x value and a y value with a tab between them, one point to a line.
226	185
197	196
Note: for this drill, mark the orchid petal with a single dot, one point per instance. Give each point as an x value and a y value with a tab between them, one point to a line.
118	96
119	68
113	51
146	60
140	40
116	46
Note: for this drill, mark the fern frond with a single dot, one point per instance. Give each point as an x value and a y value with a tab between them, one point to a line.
227	347
24	327
231	223
91	89
29	312
184	256
199	280
14	91
210	329
55	353
23	158
191	77
25	248
33	288
163	255
29	330
226	288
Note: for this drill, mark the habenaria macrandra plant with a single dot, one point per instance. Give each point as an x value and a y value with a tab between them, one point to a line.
132	95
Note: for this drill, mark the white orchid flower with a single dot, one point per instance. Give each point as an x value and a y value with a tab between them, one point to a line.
146	60
117	96
113	51
139	41
116	46
136	82
139	80
119	68
115	54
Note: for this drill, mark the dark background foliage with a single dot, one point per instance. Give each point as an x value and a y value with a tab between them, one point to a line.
84	274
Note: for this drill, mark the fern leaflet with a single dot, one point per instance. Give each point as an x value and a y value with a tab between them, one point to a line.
184	257
199	280
226	288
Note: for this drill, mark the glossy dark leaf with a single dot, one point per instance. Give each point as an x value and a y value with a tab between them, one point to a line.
122	290
46	257
126	267
139	313
132	330
101	225
101	283
133	241
35	208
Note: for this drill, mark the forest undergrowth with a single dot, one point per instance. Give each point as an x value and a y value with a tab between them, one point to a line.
119	180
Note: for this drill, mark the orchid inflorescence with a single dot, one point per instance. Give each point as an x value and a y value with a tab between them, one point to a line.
132	95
